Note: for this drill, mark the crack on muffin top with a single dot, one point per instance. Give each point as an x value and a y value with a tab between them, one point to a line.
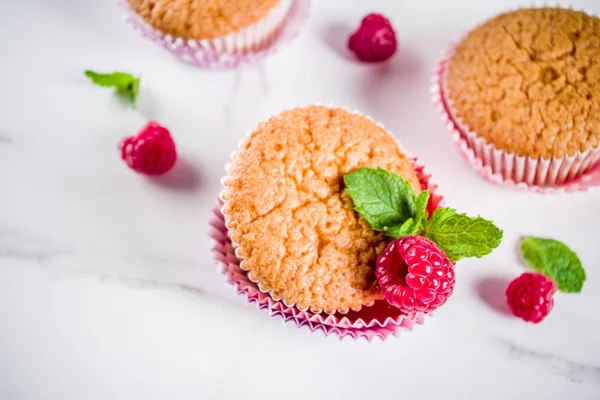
528	81
201	19
286	208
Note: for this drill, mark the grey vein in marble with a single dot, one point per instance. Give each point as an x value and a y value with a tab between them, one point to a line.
228	107
153	284
147	283
262	78
166	260
575	372
15	245
39	251
5	140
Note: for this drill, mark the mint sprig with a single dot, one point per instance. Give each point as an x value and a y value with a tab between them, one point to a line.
125	84
460	236
389	204
555	260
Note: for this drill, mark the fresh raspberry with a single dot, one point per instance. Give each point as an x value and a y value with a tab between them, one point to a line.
415	275
374	40
530	296
151	152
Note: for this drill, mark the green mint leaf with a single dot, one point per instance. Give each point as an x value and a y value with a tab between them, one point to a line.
413	226
125	84
408	228
421	203
421	216
135	89
120	80
384	199
460	236
555	260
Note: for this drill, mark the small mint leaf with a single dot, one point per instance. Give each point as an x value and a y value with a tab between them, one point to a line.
135	89
422	201
413	226
125	84
460	236
384	199
130	92
421	217
555	260
120	80
408	228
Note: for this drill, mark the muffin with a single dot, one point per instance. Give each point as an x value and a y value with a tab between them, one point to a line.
295	228
524	90
200	29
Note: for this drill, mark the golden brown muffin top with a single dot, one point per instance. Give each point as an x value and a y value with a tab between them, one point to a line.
528	81
201	19
286	208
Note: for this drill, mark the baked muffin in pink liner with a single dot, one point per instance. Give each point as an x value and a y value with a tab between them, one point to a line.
545	137
480	162
242	31
292	225
377	320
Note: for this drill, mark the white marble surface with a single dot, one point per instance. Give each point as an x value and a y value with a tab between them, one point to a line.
107	288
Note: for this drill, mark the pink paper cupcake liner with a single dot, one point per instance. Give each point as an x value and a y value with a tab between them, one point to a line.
579	172
251	44
378	320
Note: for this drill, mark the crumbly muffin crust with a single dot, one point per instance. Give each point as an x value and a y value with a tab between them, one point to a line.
528	81
201	19
286	208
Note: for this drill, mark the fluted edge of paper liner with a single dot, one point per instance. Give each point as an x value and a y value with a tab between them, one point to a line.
253	43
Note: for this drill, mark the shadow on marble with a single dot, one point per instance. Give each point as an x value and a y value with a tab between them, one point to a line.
184	176
393	93
335	36
387	90
492	291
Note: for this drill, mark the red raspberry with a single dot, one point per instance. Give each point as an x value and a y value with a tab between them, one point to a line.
530	296
415	275
151	152
374	40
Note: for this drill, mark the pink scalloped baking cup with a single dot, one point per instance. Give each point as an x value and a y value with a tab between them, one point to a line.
379	320
502	167
251	44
